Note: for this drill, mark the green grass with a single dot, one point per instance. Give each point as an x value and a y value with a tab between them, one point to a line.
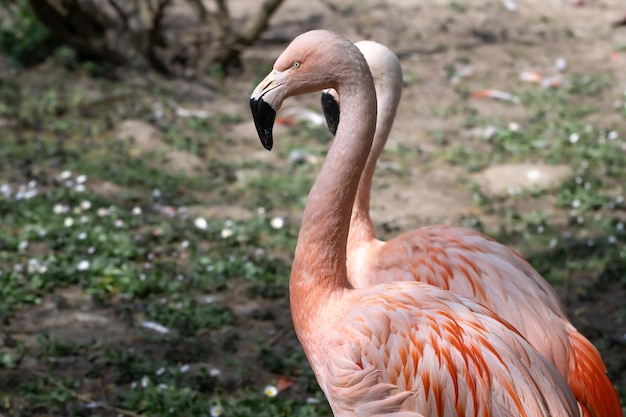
162	278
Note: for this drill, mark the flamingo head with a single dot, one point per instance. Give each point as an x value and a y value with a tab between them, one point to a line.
313	61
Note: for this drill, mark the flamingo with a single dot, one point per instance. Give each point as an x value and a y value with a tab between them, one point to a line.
401	349
466	262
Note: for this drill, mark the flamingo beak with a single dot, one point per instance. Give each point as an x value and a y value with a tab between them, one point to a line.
330	106
265	101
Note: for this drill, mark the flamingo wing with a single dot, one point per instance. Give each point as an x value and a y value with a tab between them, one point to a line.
410	347
473	265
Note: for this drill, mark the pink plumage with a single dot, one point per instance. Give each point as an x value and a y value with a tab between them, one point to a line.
403	349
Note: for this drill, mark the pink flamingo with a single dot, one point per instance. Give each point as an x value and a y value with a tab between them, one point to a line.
402	349
466	262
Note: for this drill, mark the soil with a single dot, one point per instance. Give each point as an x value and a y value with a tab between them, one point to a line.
430	37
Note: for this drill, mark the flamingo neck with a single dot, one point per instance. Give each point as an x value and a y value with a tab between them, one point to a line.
361	226
319	266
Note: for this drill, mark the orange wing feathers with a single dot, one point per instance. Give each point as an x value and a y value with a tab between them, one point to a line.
472	265
425	350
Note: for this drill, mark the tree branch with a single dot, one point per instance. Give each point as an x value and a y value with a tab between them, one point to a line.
258	24
155	39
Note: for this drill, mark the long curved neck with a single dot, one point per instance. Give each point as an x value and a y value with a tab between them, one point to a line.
319	265
361	226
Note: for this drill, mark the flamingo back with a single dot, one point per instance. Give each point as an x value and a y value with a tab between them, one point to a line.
473	265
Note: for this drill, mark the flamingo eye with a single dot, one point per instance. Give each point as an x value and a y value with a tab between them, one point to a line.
296	64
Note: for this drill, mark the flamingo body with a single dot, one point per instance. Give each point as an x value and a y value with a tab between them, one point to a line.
402	349
466	262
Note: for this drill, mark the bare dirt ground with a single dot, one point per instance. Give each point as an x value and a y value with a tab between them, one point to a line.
429	37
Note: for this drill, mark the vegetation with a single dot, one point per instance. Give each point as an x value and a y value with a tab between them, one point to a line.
114	32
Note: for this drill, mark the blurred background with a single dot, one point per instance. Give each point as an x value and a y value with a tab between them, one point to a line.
147	236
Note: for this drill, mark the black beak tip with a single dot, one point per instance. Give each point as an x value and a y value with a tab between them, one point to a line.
331	112
264	116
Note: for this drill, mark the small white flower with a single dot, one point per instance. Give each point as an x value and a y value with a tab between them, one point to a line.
216	410
312	400
82	236
43	269
33	183
136	211
160	371
226	233
576	204
184	368
84	219
5	189
514	127
574	137
145	381
68	222
260	211
612	240
270	391
118	223
60	209
489	131
28	194
156	193
81	179
533	175
214	372
184	244
85	205
277	223
82	266
80	188
22	245
33	266
69	184
65	175
102	211
613	135
201	223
